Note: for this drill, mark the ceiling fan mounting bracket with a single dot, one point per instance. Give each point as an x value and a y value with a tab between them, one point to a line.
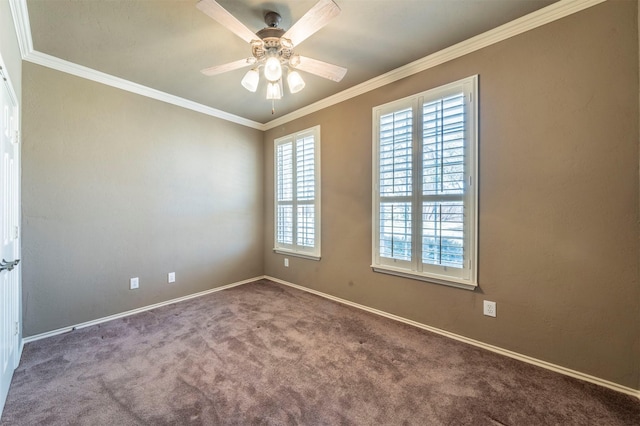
272	19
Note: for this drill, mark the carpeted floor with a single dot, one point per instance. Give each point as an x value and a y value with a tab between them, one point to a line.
263	353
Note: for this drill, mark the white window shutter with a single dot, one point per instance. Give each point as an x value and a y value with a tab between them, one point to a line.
297	194
425	220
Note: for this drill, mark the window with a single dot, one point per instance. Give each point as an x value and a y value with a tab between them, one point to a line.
424	185
297	194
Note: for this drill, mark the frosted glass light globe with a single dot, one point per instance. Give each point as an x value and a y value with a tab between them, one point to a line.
296	83
250	80
274	91
272	69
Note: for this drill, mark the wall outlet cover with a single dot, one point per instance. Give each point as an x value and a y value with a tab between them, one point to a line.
489	308
171	277
134	283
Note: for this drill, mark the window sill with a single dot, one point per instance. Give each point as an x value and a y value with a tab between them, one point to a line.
296	254
415	276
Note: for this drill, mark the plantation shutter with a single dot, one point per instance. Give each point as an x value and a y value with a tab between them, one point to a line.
425	196
284	194
396	130
297	203
443	177
305	190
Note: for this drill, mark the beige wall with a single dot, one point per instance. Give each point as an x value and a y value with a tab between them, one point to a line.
558	214
115	186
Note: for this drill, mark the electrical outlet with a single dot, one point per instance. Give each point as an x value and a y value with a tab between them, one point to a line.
286	262
134	283
171	277
489	308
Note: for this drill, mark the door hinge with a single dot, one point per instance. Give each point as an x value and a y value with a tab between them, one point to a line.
17	233
17	330
17	137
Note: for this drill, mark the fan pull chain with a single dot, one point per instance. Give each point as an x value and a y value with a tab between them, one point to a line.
273	107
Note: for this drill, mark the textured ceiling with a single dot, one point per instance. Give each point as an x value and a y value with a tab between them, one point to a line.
163	44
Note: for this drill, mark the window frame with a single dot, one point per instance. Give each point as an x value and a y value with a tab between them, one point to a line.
465	277
294	249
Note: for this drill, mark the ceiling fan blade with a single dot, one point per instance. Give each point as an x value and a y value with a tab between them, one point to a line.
219	69
322	69
317	17
220	14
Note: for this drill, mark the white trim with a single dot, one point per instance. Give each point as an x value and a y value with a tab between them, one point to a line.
295	254
464	275
496	349
23	33
134	311
293	248
518	26
524	358
21	21
120	83
405	273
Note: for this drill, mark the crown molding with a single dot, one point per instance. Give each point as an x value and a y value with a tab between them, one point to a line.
23	32
518	26
120	83
20	16
528	22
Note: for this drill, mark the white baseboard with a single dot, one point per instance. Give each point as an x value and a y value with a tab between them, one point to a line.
492	348
477	343
134	311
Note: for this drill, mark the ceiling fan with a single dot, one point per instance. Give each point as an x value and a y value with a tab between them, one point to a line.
272	48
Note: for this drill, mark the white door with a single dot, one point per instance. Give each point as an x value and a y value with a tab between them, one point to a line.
10	270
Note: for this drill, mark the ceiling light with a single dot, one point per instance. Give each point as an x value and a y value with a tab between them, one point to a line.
250	80
295	81
273	51
272	69
274	90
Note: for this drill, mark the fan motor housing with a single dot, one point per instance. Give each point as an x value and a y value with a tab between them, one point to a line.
270	32
271	37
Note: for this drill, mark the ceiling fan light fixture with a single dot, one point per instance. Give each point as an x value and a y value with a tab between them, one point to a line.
286	43
272	69
250	80
294	61
274	90
272	48
295	81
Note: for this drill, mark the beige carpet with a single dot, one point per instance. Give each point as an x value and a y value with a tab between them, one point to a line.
263	353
